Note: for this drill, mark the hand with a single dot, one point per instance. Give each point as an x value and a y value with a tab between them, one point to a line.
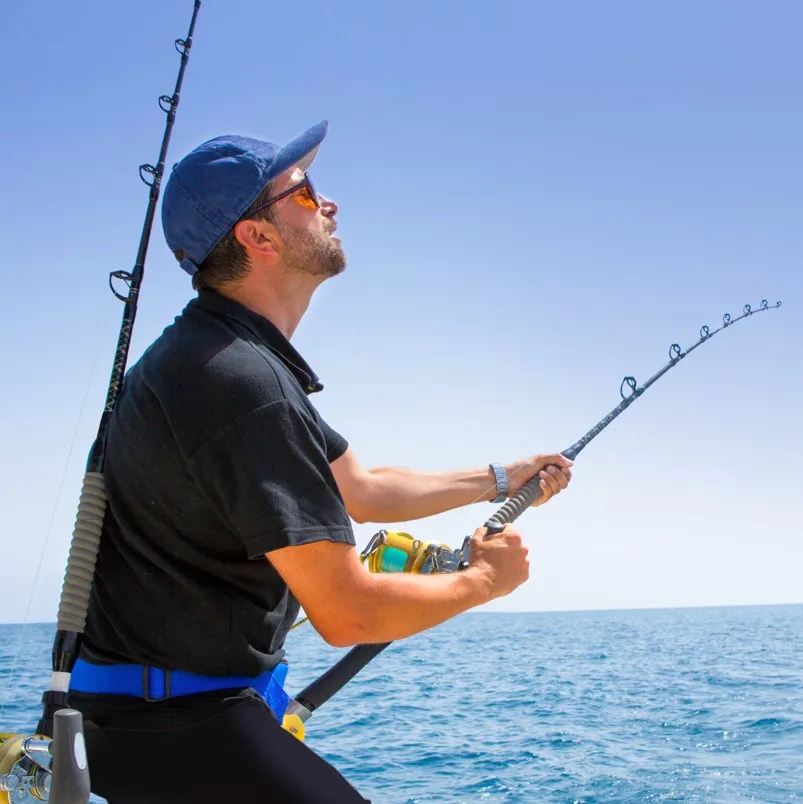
501	560
553	470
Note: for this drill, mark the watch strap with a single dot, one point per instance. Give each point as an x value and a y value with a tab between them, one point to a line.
502	486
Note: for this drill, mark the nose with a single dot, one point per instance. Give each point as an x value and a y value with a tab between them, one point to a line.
328	207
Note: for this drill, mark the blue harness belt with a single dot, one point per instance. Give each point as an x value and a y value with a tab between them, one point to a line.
155	684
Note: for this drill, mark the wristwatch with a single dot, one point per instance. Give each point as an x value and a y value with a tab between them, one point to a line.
502	487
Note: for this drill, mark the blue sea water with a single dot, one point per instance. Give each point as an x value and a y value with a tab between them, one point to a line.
696	705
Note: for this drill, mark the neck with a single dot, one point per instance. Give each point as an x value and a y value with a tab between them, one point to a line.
283	302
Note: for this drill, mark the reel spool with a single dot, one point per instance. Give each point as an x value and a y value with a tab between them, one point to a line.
396	551
25	764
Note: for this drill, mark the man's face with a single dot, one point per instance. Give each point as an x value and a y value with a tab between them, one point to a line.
310	246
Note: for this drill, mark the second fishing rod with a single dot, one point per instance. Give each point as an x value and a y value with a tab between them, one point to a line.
67	781
439	558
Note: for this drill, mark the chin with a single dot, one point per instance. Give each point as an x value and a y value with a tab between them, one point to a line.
338	265
338	269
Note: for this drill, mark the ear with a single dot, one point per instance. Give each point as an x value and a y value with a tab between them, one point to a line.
259	237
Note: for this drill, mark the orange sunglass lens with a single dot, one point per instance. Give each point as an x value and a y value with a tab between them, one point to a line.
304	197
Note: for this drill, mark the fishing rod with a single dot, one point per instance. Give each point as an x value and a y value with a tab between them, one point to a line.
56	769
394	551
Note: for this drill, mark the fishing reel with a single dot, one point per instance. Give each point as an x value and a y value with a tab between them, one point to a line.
388	551
396	551
33	766
25	769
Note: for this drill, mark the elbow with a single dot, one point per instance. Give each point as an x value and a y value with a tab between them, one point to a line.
364	502
343	630
360	512
340	640
341	637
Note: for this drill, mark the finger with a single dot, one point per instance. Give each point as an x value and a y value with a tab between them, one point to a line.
480	535
553	475
549	478
559	460
484	534
546	492
562	476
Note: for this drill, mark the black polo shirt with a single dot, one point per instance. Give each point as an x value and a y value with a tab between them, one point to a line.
215	456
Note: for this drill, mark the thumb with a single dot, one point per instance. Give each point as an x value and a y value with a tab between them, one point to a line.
562	461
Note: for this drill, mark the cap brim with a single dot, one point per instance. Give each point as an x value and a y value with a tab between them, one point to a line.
300	151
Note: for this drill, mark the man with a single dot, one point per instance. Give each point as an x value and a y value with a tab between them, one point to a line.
230	504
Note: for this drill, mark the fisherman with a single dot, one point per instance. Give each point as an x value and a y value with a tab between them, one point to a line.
230	506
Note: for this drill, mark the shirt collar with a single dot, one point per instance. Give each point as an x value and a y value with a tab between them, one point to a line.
265	331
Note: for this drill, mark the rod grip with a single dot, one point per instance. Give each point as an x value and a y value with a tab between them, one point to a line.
70	780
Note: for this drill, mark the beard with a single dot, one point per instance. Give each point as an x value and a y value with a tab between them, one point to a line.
312	253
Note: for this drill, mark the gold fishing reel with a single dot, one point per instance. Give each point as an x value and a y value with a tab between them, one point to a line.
25	763
390	551
396	551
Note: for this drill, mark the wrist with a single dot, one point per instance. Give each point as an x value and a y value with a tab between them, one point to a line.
501	488
478	585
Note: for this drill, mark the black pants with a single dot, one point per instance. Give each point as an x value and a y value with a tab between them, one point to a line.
203	752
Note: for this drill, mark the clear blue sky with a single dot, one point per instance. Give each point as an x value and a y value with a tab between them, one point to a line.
536	199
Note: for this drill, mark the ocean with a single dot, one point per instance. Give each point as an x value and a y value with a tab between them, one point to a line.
693	705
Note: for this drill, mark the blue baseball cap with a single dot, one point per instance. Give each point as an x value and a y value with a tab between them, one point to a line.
214	184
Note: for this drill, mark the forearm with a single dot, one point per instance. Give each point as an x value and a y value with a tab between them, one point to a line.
401	495
398	605
348	605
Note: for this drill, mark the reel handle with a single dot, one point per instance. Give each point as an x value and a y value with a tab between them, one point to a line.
493	527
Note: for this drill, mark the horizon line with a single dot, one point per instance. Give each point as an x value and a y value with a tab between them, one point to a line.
566	611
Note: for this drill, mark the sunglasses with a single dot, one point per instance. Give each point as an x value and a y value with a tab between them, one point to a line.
306	196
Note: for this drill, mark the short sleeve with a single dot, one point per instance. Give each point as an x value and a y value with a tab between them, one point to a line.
268	474
336	445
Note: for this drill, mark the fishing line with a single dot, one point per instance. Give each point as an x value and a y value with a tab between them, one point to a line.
337	676
49	531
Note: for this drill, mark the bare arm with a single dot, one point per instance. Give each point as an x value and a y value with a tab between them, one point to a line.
348	605
391	494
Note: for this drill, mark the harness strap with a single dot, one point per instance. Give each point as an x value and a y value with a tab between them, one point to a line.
155	684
